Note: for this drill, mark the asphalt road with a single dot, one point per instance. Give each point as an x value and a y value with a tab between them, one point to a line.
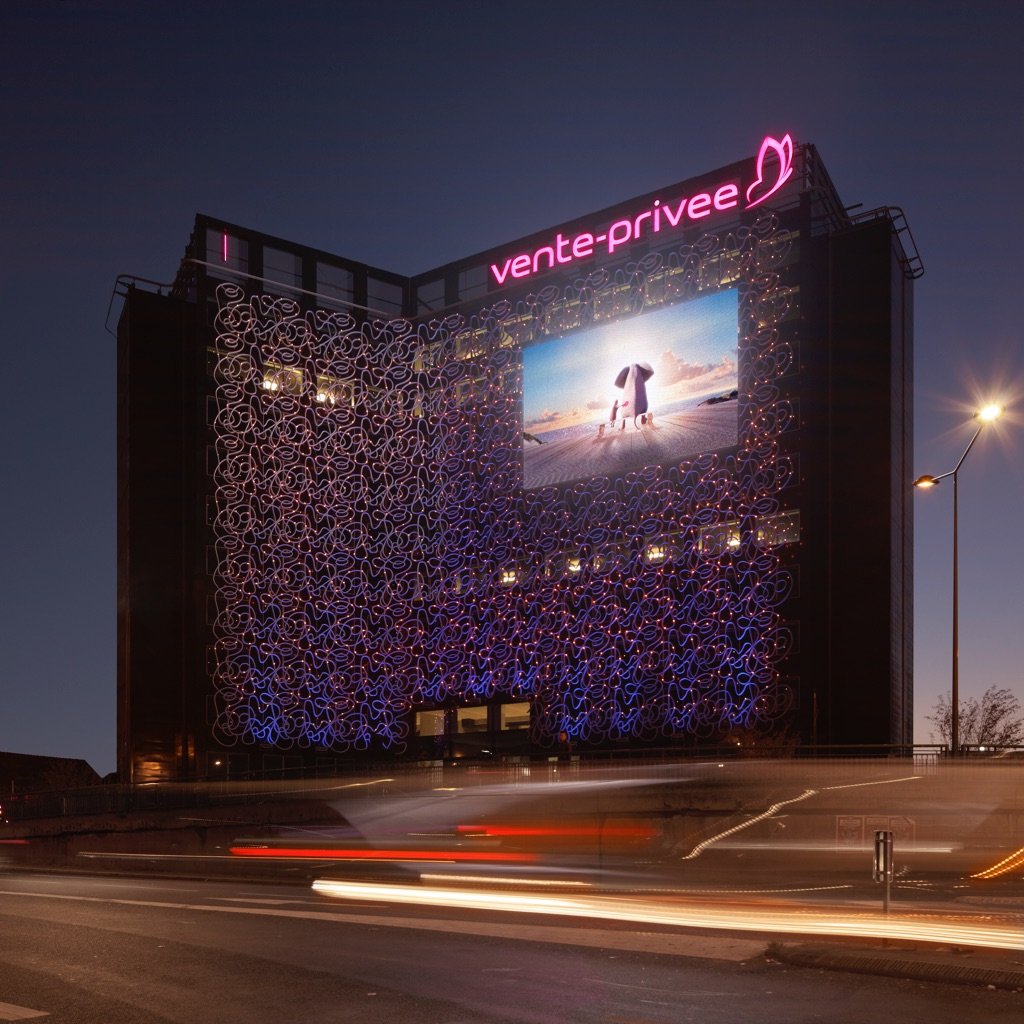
84	949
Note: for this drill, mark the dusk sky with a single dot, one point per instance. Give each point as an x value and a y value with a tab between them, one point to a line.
407	135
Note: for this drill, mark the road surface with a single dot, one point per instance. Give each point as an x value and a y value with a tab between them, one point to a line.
82	949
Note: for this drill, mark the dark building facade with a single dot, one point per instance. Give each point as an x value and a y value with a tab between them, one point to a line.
638	481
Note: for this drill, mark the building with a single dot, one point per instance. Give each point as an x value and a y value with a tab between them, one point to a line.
37	773
641	480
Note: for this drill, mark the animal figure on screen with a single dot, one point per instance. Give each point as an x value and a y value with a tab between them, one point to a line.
633	381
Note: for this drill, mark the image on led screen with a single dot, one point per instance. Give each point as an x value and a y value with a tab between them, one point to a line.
650	390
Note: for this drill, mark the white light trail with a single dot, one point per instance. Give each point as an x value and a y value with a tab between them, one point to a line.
808	921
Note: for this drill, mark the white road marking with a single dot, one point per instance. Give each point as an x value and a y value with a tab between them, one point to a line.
704	947
8	1011
253	899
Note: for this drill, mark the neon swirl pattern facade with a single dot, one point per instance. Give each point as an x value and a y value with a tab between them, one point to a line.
376	553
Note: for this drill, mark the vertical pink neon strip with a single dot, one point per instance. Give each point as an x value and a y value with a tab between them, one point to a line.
224	247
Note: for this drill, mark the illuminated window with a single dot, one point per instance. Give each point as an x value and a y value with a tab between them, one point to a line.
574	565
427	357
605	560
460	583
470	344
656	553
330	391
781	528
663	549
469	388
510	577
281	380
720	539
515	717
471	720
430	723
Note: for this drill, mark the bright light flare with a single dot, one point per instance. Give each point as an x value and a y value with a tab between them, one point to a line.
988	413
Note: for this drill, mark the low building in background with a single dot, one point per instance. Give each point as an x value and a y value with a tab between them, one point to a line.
35	773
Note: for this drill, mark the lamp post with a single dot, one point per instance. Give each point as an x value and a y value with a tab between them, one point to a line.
983	416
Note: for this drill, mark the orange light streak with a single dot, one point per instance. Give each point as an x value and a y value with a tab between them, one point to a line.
1015	860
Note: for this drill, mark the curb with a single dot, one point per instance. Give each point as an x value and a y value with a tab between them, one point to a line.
916	965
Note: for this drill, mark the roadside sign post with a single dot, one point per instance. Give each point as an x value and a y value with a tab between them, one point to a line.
882	867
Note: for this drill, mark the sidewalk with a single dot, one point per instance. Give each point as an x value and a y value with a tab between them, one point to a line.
1001	969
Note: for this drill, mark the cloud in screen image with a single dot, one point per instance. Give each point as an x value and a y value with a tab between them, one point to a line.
645	391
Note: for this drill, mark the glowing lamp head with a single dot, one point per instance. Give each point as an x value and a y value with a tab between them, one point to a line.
656	553
989	413
926	481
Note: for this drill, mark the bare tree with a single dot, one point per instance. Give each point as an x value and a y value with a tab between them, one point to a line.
993	721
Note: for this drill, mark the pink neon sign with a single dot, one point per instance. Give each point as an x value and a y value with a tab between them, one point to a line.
772	169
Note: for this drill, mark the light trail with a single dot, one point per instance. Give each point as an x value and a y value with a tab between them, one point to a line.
561	831
1014	861
701	847
333	853
548	883
712	840
808	921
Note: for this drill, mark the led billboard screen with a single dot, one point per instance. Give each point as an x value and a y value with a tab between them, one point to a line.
645	391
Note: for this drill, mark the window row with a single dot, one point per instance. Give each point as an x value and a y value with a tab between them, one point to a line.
477	720
279	379
282	273
712	541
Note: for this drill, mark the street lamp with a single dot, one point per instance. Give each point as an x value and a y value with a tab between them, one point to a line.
984	416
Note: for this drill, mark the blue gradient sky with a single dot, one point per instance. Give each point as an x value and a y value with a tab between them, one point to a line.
407	135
